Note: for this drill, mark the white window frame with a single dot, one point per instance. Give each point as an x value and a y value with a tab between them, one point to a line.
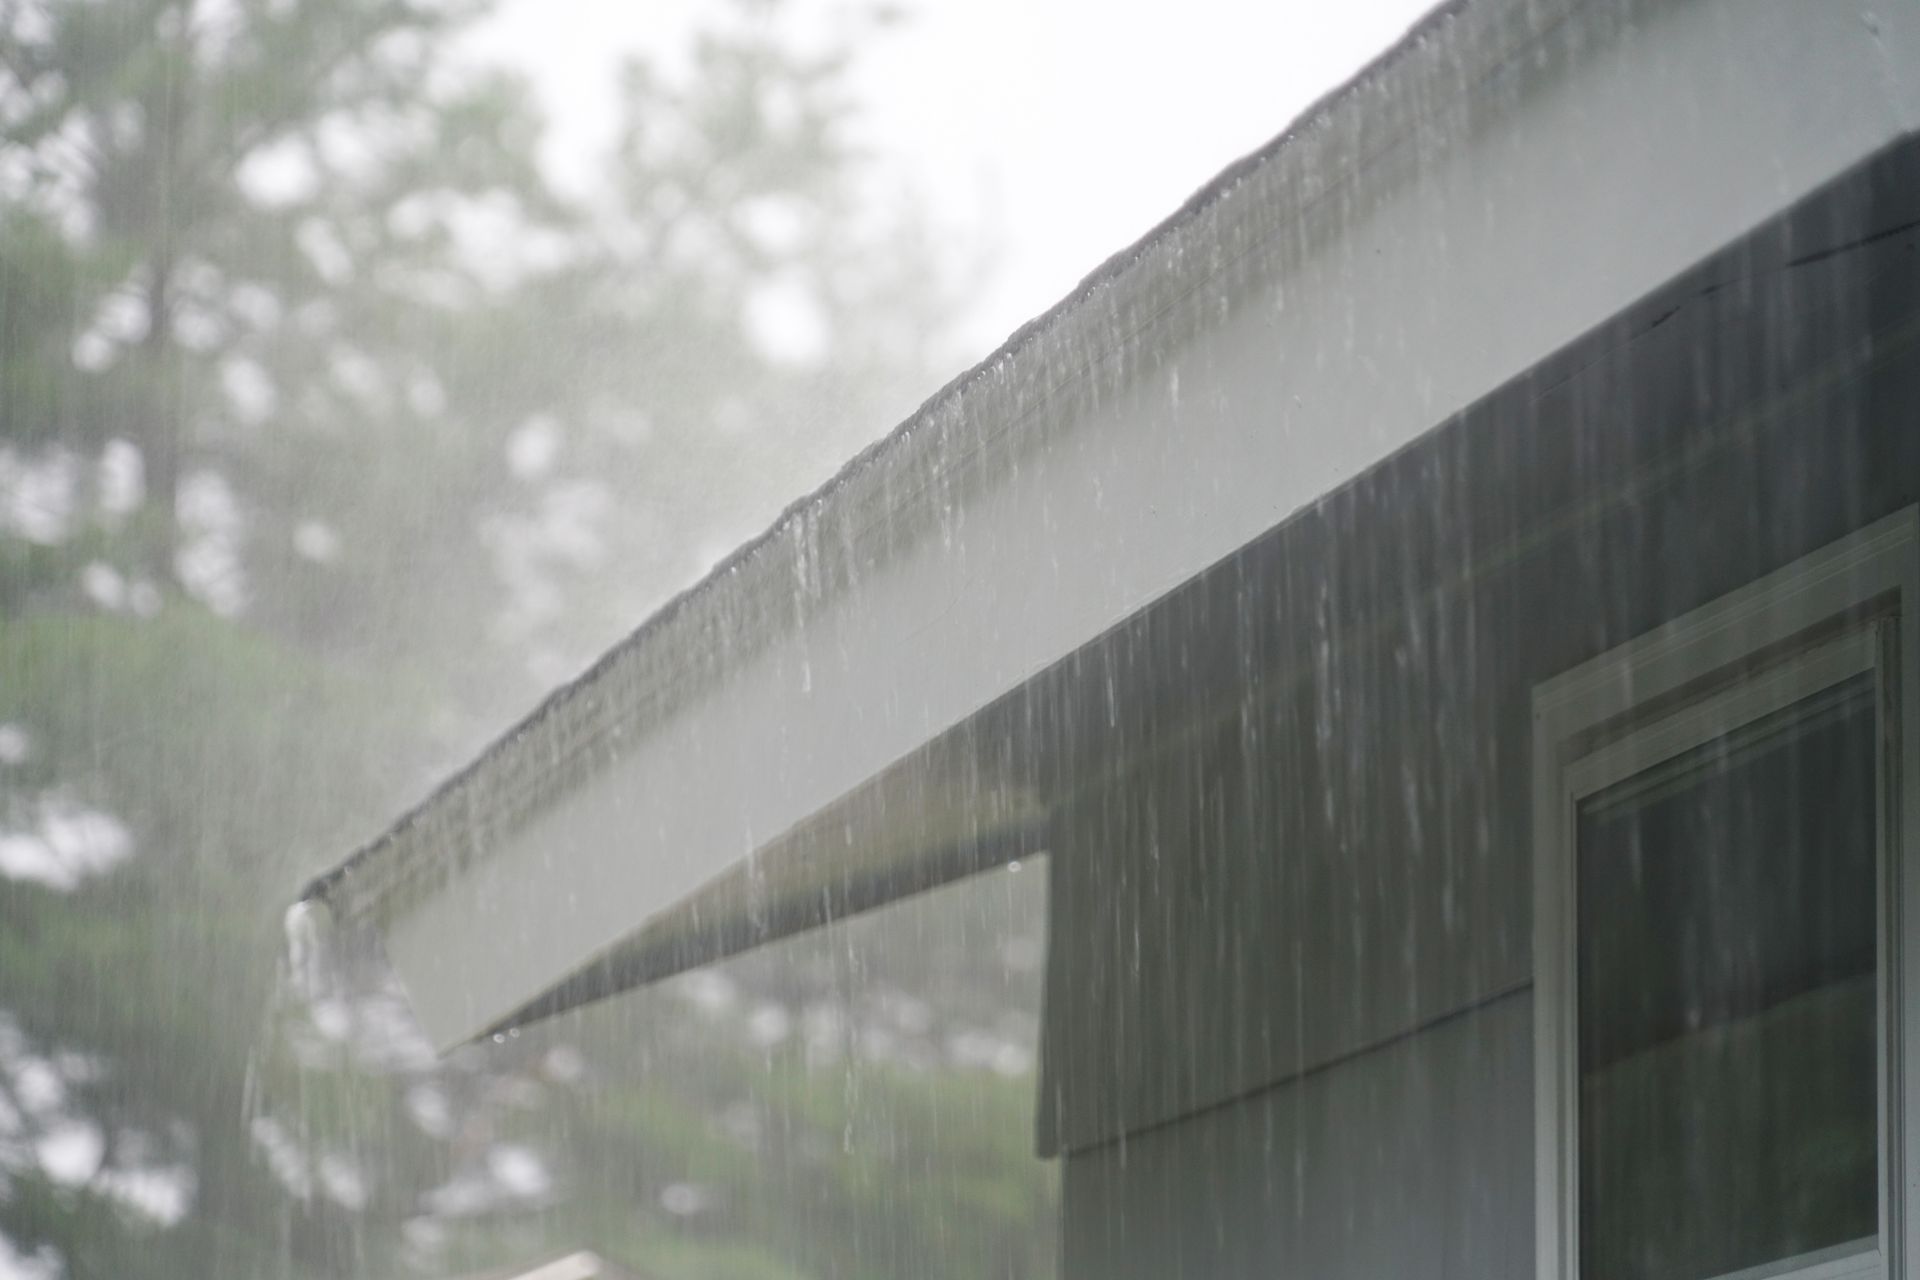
1845	609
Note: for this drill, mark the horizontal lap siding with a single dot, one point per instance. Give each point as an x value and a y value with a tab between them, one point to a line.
1412	1160
1302	828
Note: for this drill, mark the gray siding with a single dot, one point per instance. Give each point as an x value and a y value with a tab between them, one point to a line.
1302	825
1412	1159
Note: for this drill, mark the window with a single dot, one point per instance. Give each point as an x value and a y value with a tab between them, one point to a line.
1718	850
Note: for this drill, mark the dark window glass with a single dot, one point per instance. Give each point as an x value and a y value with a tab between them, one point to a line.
1728	987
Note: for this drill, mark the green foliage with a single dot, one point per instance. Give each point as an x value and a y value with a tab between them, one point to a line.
216	748
415	435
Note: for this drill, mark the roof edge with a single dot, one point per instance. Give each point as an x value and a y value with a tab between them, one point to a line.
821	538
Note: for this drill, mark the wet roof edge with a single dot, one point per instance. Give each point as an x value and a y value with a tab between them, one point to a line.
1458	42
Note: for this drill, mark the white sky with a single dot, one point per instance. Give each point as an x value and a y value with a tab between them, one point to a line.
1061	130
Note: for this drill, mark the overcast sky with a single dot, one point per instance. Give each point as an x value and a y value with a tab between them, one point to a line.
1062	129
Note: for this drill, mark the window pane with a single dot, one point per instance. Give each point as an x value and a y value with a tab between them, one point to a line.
1728	1102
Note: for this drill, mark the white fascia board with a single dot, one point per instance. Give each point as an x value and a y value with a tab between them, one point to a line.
1512	176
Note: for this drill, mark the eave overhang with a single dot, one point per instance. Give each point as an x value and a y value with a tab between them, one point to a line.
809	731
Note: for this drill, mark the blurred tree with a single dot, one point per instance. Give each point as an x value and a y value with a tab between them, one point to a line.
197	189
299	272
331	433
198	244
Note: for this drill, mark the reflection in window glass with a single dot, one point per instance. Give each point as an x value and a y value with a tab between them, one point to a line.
1727	995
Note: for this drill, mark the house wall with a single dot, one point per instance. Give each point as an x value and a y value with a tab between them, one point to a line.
1415	1159
1289	989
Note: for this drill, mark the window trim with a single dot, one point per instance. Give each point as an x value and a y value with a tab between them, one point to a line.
1845	608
